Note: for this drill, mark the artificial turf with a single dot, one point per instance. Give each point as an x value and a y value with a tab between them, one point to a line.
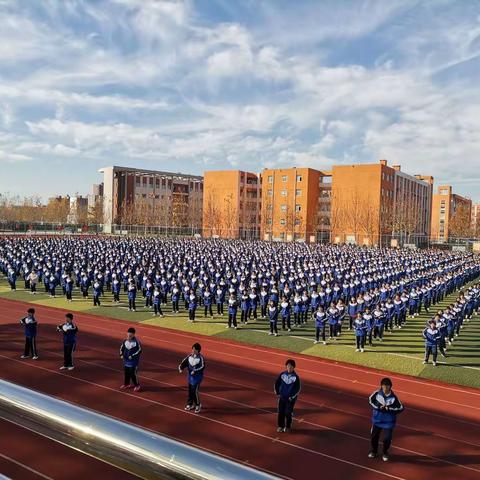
401	351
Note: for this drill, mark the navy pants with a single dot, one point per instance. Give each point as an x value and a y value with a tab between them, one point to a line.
375	438
285	412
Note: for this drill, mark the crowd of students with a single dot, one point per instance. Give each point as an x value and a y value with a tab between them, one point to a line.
331	287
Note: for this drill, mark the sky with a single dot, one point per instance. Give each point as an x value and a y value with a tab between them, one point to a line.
223	84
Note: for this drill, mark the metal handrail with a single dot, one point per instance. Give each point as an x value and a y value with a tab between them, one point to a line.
141	452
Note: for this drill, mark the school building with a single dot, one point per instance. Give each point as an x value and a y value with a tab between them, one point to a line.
451	215
295	204
379	204
231	204
133	196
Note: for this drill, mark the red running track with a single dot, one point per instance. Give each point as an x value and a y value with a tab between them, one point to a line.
438	434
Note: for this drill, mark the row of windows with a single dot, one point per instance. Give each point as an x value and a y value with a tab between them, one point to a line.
284	178
148	182
387	177
283	222
284	193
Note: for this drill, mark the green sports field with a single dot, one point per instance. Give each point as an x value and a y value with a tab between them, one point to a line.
401	351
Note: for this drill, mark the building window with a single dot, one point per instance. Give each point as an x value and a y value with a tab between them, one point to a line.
270	207
270	179
298	208
150	181
269	221
283	208
270	193
157	182
157	197
283	193
137	181
299	178
144	195
144	181
284	178
444	192
298	192
282	221
297	221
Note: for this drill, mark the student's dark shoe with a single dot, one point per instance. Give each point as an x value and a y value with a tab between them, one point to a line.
372	455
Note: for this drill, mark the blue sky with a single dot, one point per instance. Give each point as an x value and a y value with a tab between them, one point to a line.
195	85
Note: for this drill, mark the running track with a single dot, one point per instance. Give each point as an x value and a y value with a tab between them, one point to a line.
438	434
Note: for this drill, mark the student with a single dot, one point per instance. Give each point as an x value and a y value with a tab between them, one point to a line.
157	298
130	352
379	323
333	314
33	280
30	324
192	306
148	293
286	314
116	290
97	291
370	321
432	338
360	326
207	302
220	300
12	279
252	304
352	312
232	311
386	406
69	331
132	295
244	302
175	299
287	387
195	363
273	317
68	288
320	325
297	309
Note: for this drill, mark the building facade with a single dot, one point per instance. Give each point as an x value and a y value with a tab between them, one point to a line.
147	197
476	220
291	202
231	204
78	212
379	204
451	215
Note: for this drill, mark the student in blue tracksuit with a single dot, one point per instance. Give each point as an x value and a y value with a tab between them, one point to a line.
360	326
273	318
116	286
12	279
207	302
386	406
285	312
176	299
244	305
157	300
192	306
232	311
320	318
30	324
130	352
287	388
195	363
97	292
432	338
69	331
132	295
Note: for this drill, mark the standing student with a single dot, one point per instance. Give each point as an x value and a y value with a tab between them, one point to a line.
195	363
287	388
97	291
370	321
157	298
333	314
207	302
116	290
320	324
132	295
192	306
30	324
286	314
33	280
432	338
273	318
386	406
175	299
360	326
232	311
69	331
220	300
12	279
244	302
130	351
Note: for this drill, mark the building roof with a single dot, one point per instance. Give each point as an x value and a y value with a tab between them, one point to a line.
140	171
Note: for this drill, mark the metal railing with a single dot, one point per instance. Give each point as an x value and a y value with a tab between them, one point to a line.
140	452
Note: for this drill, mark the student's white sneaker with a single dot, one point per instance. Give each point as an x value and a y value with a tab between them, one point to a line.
324	343
357	349
198	409
188	408
434	364
276	334
35	357
424	362
372	455
385	457
25	356
270	333
280	430
63	367
316	341
289	329
70	368
362	350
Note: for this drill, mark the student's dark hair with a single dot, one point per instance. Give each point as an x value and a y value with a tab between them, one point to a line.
197	346
131	330
386	381
291	362
69	315
31	310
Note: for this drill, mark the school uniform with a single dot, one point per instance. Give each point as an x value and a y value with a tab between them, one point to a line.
285	313
360	326
157	299
320	326
132	295
30	325
273	319
116	286
195	363
130	352
192	307
97	291
207	302
69	332
232	312
384	418
333	315
175	299
432	337
287	387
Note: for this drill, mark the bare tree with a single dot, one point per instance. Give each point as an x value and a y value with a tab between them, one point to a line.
460	223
